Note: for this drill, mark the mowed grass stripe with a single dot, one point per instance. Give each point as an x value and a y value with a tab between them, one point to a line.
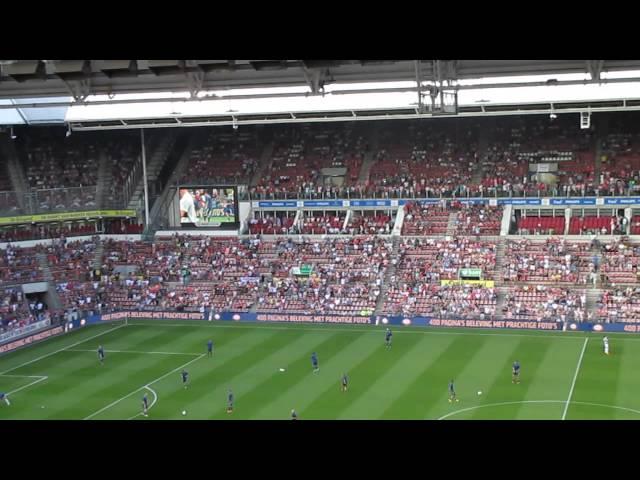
336	357
480	374
265	380
207	392
238	347
13	361
628	392
101	384
530	353
333	401
383	390
598	382
430	386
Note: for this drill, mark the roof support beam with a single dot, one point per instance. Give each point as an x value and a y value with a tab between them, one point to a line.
594	68
315	78
195	81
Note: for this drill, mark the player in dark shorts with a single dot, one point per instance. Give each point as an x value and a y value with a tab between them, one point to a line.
145	405
452	392
229	401
185	378
101	354
294	415
314	362
344	382
210	348
515	372
387	338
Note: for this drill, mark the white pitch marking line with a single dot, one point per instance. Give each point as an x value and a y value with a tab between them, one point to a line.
27	385
537	401
328	329
148	384
155	399
61	349
575	377
134	352
23	376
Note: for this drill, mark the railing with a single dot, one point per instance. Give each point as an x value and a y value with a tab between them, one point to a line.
401	192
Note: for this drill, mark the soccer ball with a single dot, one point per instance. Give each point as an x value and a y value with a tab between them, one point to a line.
479	392
184	412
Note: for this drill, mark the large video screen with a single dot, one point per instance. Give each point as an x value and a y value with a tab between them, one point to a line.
208	207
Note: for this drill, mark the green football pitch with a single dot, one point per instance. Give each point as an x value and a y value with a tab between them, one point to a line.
564	375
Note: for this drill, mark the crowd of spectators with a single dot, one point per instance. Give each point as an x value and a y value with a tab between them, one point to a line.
551	261
540	302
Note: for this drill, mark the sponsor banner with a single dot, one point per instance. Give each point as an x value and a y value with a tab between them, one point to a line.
302	318
422	201
470	272
55	217
325	203
246	280
573	201
622	201
371	203
7	347
274	204
153	315
519	201
521	324
471	201
604	327
483	283
5	337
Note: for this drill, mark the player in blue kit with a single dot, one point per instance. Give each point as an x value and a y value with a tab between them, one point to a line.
452	392
387	338
345	382
314	362
145	405
4	397
229	401
185	378
210	348
101	354
515	372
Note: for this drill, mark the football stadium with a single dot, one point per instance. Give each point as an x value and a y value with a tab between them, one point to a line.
319	240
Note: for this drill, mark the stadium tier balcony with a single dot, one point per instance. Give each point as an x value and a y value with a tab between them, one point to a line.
551	261
346	276
71	260
425	219
14	310
590	225
271	225
424	160
322	225
620	263
225	157
540	302
432	260
452	301
541	225
302	156
19	265
370	223
620	305
477	219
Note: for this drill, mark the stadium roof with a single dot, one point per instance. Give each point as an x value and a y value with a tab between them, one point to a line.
91	94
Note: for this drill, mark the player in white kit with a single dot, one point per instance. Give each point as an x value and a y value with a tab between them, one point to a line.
605	344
